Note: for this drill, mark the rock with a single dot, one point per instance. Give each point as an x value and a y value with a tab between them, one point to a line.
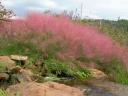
97	74
5	66
23	59
6	63
13	79
19	57
24	76
4	76
27	72
16	69
43	89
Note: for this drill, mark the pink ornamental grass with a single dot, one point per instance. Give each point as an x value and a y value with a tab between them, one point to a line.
75	40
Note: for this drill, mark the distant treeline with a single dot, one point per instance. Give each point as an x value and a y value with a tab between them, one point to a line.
121	25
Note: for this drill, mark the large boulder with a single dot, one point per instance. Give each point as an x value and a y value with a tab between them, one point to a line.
43	89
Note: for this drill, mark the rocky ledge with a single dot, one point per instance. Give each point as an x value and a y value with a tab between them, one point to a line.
43	89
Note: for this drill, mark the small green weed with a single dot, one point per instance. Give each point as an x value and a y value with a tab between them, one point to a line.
3	93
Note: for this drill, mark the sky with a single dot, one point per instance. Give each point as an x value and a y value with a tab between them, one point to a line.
95	9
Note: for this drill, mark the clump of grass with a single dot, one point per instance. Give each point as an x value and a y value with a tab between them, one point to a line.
64	69
60	39
3	93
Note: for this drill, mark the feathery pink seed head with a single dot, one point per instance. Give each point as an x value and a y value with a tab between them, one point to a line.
75	39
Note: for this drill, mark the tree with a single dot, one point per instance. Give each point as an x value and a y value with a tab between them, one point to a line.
5	15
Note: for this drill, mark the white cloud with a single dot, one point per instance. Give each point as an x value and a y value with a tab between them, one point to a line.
34	8
47	3
51	4
8	3
16	17
11	3
63	8
103	8
99	8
